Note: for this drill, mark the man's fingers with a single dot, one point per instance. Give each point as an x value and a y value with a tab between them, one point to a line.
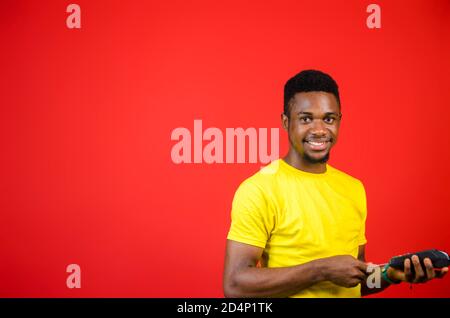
407	269
441	273
429	268
362	266
420	275
362	276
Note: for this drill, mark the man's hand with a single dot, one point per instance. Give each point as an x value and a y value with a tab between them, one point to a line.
422	275
344	270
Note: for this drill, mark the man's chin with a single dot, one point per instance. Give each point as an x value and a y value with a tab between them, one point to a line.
322	159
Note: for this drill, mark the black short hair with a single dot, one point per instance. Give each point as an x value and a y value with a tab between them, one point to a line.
309	81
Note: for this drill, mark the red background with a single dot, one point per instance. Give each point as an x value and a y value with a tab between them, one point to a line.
86	115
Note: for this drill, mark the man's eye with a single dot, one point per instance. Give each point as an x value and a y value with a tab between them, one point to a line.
305	119
329	120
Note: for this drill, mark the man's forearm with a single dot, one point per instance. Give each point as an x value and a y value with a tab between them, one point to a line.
275	282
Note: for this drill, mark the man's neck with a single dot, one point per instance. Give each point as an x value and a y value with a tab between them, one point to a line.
296	161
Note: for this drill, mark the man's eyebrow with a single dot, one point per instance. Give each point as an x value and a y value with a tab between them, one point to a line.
326	114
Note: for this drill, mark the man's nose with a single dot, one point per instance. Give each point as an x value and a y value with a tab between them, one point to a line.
318	127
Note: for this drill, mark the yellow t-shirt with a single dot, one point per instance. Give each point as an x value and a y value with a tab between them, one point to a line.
297	217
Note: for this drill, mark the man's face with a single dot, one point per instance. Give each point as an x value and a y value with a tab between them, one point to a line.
313	125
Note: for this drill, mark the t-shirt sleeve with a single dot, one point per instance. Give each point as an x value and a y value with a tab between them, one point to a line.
251	222
363	208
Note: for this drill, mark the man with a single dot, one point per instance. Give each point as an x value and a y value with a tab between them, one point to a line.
298	225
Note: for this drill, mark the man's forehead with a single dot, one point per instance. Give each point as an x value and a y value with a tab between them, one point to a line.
314	101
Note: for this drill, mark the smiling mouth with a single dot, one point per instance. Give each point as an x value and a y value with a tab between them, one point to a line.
317	145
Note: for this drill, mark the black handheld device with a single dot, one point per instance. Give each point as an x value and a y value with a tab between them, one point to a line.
439	259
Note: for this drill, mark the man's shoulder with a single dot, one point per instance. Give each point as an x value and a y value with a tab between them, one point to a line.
263	179
344	176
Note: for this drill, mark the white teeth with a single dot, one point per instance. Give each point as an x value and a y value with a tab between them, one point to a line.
316	143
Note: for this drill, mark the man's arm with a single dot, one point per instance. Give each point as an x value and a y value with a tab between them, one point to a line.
242	278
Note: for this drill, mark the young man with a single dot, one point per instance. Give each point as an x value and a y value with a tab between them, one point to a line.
298	225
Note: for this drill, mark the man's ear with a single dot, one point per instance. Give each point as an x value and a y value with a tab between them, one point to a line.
285	122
